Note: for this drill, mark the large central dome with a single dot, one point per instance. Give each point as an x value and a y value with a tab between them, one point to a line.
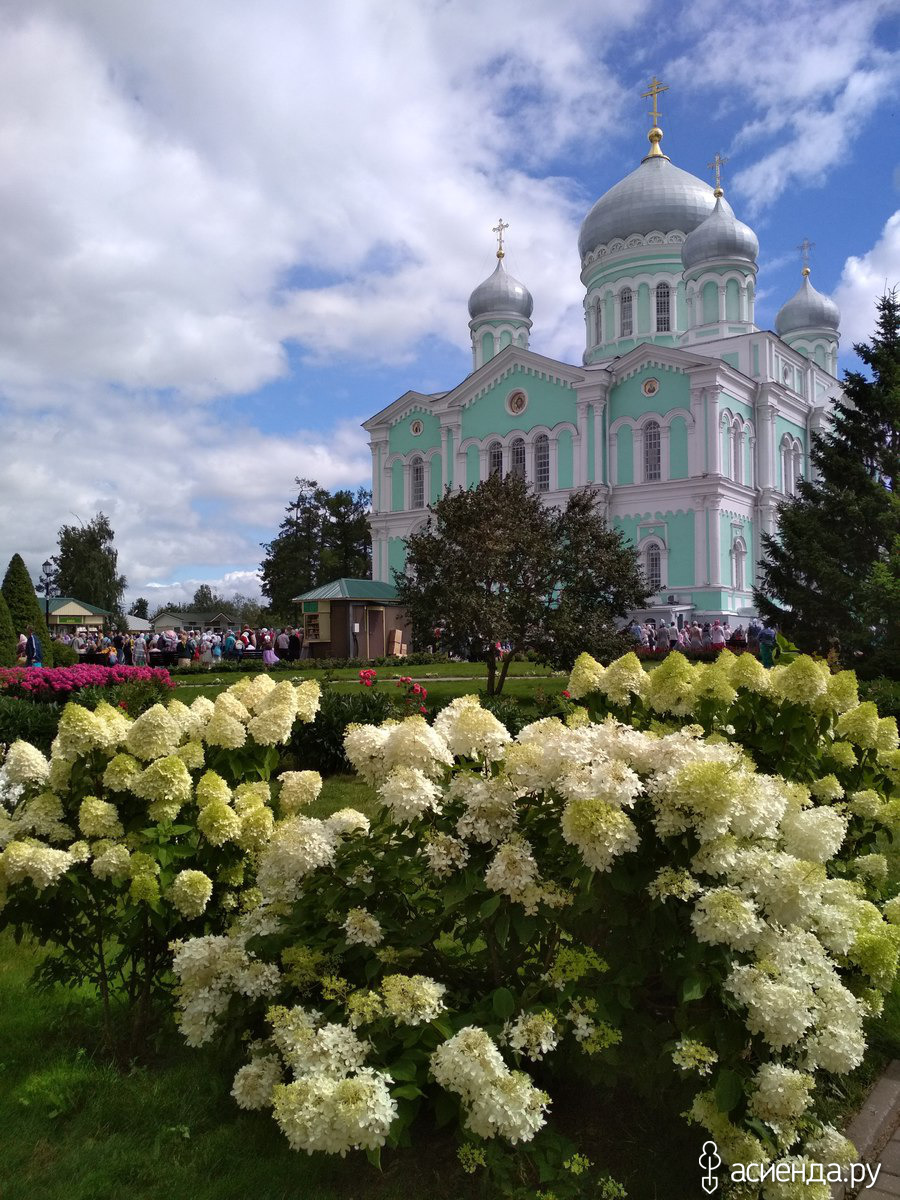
656	196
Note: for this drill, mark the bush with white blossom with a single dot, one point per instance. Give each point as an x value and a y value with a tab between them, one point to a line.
597	895
135	832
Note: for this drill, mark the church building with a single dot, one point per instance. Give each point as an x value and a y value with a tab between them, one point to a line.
692	422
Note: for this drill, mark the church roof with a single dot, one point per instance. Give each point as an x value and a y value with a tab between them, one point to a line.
501	294
807	309
657	196
720	236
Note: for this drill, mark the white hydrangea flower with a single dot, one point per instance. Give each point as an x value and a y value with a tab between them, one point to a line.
533	1034
298	845
586	677
414	743
361	928
512	1108
445	854
298	789
471	731
514	873
413	999
600	832
599	778
254	1083
723	916
780	1094
154	734
364	746
408	793
190	892
348	822
24	765
814	834
489	807
329	1115
31	860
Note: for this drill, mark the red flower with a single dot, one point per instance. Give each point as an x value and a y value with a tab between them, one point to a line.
568	695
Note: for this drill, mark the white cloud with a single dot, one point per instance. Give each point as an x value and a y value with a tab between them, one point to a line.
801	73
864	280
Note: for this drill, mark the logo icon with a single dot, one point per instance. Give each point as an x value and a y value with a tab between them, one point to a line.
710	1161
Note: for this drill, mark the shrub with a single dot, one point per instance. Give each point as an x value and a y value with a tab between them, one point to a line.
59	683
591	898
883	692
64	656
138	832
30	722
319	746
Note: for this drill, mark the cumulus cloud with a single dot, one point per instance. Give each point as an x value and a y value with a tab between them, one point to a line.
865	279
813	74
195	198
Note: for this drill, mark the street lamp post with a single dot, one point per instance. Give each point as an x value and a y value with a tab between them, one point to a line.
47	584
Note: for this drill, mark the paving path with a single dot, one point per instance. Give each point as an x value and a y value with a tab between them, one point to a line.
875	1132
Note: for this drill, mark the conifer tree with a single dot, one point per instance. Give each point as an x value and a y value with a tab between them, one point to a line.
828	571
24	606
8	638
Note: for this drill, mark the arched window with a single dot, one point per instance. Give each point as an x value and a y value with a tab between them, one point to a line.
738	559
542	463
626	318
796	466
737	452
791	464
652	452
654	567
517	458
495	459
598	322
663	308
417	483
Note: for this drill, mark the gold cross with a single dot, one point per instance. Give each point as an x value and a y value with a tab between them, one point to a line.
805	246
716	165
498	229
655	88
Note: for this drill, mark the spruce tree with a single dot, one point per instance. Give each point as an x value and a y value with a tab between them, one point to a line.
24	607
8	638
826	578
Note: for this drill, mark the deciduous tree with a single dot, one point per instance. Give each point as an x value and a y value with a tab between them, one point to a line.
497	567
87	564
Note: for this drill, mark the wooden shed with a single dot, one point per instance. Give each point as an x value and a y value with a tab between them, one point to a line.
353	618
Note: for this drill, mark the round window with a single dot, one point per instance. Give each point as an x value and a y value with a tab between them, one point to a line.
650	387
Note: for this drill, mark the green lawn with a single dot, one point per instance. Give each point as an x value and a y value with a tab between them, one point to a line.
439	691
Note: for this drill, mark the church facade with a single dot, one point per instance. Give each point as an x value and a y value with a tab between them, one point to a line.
693	423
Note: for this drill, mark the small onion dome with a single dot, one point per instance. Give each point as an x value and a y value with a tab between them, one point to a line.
721	235
501	294
807	309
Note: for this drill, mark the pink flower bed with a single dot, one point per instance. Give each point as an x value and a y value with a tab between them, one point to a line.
45	683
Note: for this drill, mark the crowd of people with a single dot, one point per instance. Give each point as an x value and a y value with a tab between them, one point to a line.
758	638
185	647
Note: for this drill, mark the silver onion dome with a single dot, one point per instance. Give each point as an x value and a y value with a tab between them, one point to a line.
721	235
807	309
500	294
655	196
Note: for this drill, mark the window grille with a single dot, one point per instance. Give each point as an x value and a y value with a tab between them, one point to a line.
652	452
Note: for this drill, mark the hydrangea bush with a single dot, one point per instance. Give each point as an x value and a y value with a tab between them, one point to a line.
135	832
590	897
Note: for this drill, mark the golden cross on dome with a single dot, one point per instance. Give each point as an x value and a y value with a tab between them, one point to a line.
654	90
805	246
498	229
716	165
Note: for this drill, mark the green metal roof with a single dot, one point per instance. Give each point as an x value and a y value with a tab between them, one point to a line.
57	602
351	589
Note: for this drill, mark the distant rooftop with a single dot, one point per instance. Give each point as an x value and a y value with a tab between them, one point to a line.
58	602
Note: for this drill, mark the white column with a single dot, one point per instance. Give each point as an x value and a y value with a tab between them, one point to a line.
385	498
554	464
713	460
598	409
700	573
715	573
721	301
765	445
581	457
696	445
665	466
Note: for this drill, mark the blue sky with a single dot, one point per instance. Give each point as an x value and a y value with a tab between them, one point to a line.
229	233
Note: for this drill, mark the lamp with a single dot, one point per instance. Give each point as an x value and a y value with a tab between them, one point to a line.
47	581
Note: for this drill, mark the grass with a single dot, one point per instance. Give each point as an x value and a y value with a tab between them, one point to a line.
439	691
